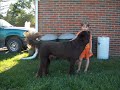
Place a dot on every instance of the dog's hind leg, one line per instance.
(39, 73)
(72, 63)
(41, 68)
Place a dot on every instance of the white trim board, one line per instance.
(36, 15)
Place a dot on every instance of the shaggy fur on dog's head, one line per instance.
(70, 50)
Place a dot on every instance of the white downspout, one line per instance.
(36, 28)
(36, 15)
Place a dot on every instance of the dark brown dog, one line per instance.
(70, 50)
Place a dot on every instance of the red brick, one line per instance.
(66, 15)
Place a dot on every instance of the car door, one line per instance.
(2, 36)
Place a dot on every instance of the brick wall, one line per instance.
(61, 16)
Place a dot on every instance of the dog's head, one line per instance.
(84, 36)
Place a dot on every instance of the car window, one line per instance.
(4, 23)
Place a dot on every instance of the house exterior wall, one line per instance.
(61, 16)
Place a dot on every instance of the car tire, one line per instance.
(14, 45)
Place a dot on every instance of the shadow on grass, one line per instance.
(5, 56)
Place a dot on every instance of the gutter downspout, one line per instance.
(36, 28)
(36, 15)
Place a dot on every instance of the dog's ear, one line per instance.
(84, 36)
(81, 34)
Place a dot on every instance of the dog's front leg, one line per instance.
(39, 73)
(47, 66)
(43, 70)
(72, 63)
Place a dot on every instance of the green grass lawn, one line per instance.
(16, 74)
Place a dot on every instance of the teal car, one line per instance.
(12, 37)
